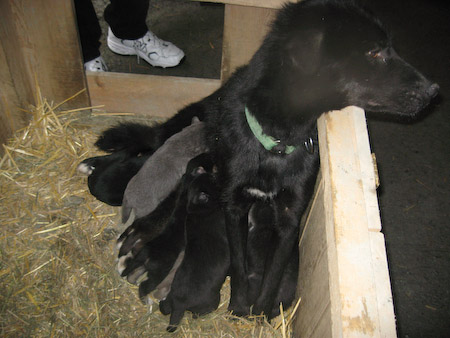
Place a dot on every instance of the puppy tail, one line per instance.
(131, 137)
(136, 138)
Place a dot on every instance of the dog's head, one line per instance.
(326, 55)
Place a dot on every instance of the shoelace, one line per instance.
(141, 44)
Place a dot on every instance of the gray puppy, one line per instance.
(161, 173)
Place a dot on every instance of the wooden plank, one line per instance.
(11, 118)
(146, 94)
(314, 315)
(367, 172)
(253, 3)
(358, 260)
(244, 30)
(41, 47)
(383, 285)
(13, 32)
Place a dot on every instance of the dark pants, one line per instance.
(126, 18)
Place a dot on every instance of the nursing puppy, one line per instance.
(162, 172)
(261, 218)
(157, 253)
(152, 244)
(197, 283)
(139, 177)
(319, 56)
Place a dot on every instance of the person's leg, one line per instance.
(128, 34)
(126, 18)
(88, 29)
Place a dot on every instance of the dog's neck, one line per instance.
(271, 143)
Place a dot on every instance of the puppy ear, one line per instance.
(304, 50)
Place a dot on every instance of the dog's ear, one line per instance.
(304, 50)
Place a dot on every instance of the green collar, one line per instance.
(268, 142)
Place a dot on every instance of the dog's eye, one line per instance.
(378, 55)
(374, 53)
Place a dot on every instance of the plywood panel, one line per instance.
(244, 30)
(146, 94)
(11, 118)
(314, 312)
(41, 48)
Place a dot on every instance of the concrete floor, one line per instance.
(194, 27)
(413, 159)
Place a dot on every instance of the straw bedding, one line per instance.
(57, 260)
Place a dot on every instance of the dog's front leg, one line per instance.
(236, 223)
(285, 237)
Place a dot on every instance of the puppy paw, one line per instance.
(134, 238)
(122, 263)
(171, 328)
(263, 310)
(133, 266)
(239, 310)
(86, 168)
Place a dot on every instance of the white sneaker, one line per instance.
(157, 52)
(96, 65)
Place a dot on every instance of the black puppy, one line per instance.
(153, 243)
(157, 253)
(261, 217)
(197, 283)
(320, 55)
(109, 175)
(129, 148)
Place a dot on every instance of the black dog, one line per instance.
(197, 283)
(320, 55)
(153, 243)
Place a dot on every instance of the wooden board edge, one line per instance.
(160, 96)
(358, 269)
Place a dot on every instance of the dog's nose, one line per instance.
(433, 90)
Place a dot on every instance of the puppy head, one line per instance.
(203, 192)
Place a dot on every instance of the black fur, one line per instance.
(197, 283)
(130, 136)
(320, 55)
(109, 175)
(261, 218)
(152, 243)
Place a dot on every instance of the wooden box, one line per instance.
(344, 280)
